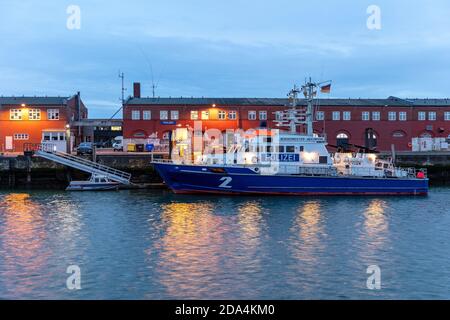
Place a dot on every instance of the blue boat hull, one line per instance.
(235, 180)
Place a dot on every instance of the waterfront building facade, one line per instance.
(373, 123)
(32, 120)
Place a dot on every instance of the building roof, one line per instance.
(391, 101)
(34, 100)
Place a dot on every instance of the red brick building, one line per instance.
(36, 119)
(368, 122)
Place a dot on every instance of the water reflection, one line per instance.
(307, 244)
(22, 249)
(250, 220)
(189, 257)
(308, 227)
(375, 223)
(375, 231)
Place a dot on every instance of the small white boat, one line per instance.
(95, 183)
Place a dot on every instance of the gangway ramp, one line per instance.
(46, 151)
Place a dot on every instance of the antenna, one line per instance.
(122, 77)
(154, 84)
(305, 116)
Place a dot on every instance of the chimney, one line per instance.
(136, 90)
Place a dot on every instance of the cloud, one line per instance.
(234, 48)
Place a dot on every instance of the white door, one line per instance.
(9, 143)
(55, 140)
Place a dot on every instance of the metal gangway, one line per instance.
(49, 152)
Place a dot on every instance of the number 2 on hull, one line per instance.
(226, 182)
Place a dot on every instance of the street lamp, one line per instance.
(68, 139)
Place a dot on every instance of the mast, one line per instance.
(294, 117)
(309, 90)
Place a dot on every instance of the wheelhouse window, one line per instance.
(290, 149)
(163, 115)
(252, 115)
(232, 115)
(53, 114)
(135, 115)
(194, 115)
(15, 114)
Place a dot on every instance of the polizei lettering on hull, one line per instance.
(187, 310)
(247, 309)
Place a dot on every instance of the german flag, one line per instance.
(326, 88)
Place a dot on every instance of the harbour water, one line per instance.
(156, 245)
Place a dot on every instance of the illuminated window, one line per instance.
(320, 115)
(365, 116)
(194, 115)
(232, 115)
(263, 115)
(336, 115)
(392, 116)
(222, 115)
(432, 116)
(21, 136)
(146, 115)
(34, 114)
(376, 116)
(402, 116)
(421, 116)
(116, 128)
(205, 115)
(347, 115)
(164, 115)
(135, 115)
(53, 114)
(174, 115)
(15, 114)
(252, 115)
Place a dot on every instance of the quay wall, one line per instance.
(37, 172)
